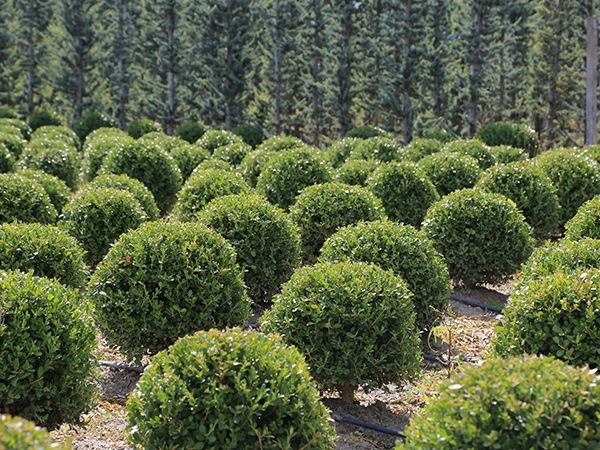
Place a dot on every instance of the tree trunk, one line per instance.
(277, 70)
(347, 393)
(475, 70)
(437, 62)
(316, 72)
(555, 68)
(122, 12)
(170, 120)
(30, 56)
(345, 69)
(229, 106)
(406, 106)
(591, 106)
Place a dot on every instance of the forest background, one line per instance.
(308, 68)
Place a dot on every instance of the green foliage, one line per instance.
(190, 131)
(251, 165)
(45, 250)
(368, 132)
(450, 172)
(124, 183)
(421, 147)
(280, 143)
(202, 187)
(150, 164)
(474, 148)
(56, 133)
(8, 161)
(505, 154)
(586, 223)
(47, 364)
(441, 136)
(213, 164)
(287, 172)
(513, 134)
(53, 156)
(20, 434)
(321, 209)
(96, 217)
(138, 128)
(520, 402)
(483, 236)
(7, 113)
(266, 241)
(19, 124)
(98, 144)
(163, 281)
(339, 152)
(24, 200)
(532, 191)
(188, 157)
(405, 191)
(57, 189)
(356, 171)
(249, 134)
(556, 315)
(13, 142)
(213, 139)
(256, 393)
(353, 322)
(234, 154)
(575, 176)
(89, 122)
(405, 251)
(42, 118)
(379, 148)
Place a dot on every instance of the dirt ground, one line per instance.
(392, 408)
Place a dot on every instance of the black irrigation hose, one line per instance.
(436, 359)
(360, 423)
(475, 304)
(121, 366)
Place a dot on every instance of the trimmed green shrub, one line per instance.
(556, 315)
(7, 113)
(450, 172)
(213, 139)
(505, 154)
(13, 142)
(321, 209)
(339, 152)
(249, 134)
(54, 157)
(56, 133)
(213, 164)
(150, 164)
(42, 118)
(98, 144)
(20, 124)
(586, 223)
(474, 148)
(229, 389)
(422, 147)
(368, 132)
(266, 241)
(188, 157)
(161, 140)
(353, 322)
(96, 217)
(47, 363)
(281, 143)
(517, 403)
(190, 131)
(356, 172)
(439, 135)
(202, 187)
(251, 165)
(20, 434)
(124, 183)
(483, 236)
(138, 128)
(44, 249)
(575, 176)
(232, 154)
(163, 281)
(89, 122)
(405, 192)
(24, 200)
(8, 161)
(513, 134)
(286, 173)
(378, 148)
(532, 191)
(405, 251)
(57, 189)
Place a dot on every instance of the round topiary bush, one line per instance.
(339, 152)
(188, 157)
(190, 131)
(556, 315)
(353, 322)
(251, 135)
(213, 139)
(266, 241)
(13, 142)
(21, 125)
(356, 171)
(44, 249)
(47, 363)
(532, 191)
(202, 187)
(586, 223)
(213, 164)
(368, 132)
(89, 122)
(20, 434)
(54, 157)
(281, 143)
(98, 144)
(124, 183)
(42, 118)
(474, 148)
(520, 402)
(163, 281)
(138, 128)
(321, 209)
(505, 154)
(232, 154)
(57, 190)
(286, 173)
(24, 200)
(251, 166)
(483, 236)
(379, 148)
(450, 172)
(575, 176)
(56, 133)
(8, 161)
(422, 147)
(405, 251)
(439, 135)
(96, 217)
(405, 192)
(513, 134)
(150, 164)
(229, 389)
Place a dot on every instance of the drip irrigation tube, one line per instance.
(436, 359)
(121, 366)
(475, 304)
(360, 423)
